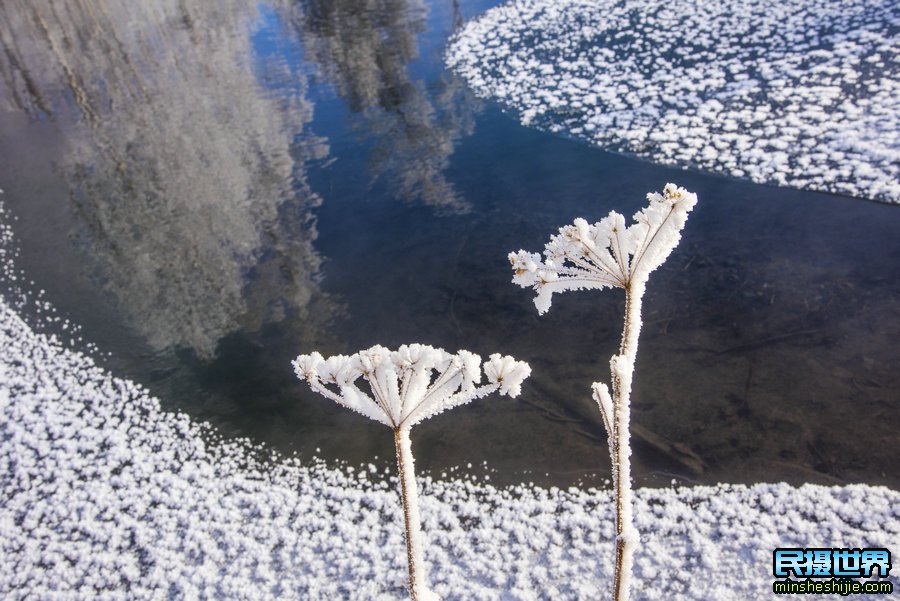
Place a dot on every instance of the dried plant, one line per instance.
(608, 254)
(406, 386)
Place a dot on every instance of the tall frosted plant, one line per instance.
(608, 254)
(405, 387)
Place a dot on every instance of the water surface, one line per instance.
(211, 191)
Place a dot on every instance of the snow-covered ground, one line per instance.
(105, 496)
(800, 93)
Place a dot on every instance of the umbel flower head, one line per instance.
(410, 384)
(606, 254)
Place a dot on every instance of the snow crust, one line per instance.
(799, 93)
(107, 497)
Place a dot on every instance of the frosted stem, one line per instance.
(622, 368)
(604, 401)
(405, 464)
(582, 256)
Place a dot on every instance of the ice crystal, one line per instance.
(411, 384)
(606, 254)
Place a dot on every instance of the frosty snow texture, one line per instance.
(799, 93)
(108, 497)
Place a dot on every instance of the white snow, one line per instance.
(799, 93)
(105, 496)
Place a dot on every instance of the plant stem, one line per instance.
(622, 368)
(410, 497)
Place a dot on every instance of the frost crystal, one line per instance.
(798, 93)
(411, 384)
(606, 254)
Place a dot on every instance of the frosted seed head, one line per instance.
(524, 266)
(471, 366)
(608, 253)
(441, 359)
(306, 366)
(545, 276)
(555, 251)
(334, 368)
(613, 223)
(581, 227)
(663, 221)
(371, 358)
(408, 385)
(407, 356)
(673, 192)
(506, 372)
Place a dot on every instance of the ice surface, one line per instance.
(799, 93)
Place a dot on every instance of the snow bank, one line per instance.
(106, 496)
(800, 93)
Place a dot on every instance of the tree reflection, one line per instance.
(364, 49)
(185, 164)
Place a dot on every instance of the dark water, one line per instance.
(210, 189)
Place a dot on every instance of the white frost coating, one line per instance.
(607, 412)
(507, 373)
(411, 384)
(606, 254)
(106, 496)
(627, 537)
(799, 93)
(408, 385)
(406, 468)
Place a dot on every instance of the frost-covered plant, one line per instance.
(608, 254)
(407, 386)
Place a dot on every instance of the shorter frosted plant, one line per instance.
(407, 386)
(608, 254)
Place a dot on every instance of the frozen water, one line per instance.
(106, 496)
(799, 93)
